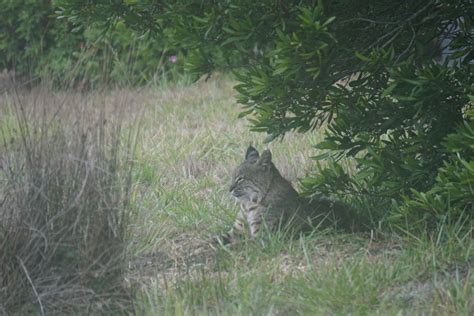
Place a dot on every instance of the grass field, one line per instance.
(190, 139)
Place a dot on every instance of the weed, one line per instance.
(64, 213)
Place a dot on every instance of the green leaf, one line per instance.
(327, 145)
(329, 21)
(362, 57)
(387, 91)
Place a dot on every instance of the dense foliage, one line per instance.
(390, 82)
(35, 42)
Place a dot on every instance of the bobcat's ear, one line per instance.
(266, 158)
(251, 155)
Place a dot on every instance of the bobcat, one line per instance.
(268, 199)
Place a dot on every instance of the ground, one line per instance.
(191, 141)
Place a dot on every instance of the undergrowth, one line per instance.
(65, 186)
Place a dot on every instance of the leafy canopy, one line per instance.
(389, 81)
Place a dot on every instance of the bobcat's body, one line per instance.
(267, 199)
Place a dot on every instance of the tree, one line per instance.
(371, 73)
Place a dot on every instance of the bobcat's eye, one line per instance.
(239, 179)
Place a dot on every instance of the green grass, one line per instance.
(191, 141)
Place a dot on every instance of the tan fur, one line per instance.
(268, 199)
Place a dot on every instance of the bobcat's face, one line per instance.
(251, 180)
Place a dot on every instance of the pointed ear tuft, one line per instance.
(266, 158)
(251, 155)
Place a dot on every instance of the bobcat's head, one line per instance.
(251, 180)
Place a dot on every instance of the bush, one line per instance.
(64, 205)
(120, 57)
(452, 195)
(388, 82)
(38, 44)
(399, 138)
(27, 31)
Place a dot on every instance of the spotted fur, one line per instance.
(267, 199)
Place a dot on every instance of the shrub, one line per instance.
(26, 32)
(37, 45)
(387, 81)
(452, 195)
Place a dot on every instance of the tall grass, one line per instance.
(66, 163)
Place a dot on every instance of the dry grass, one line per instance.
(65, 186)
(190, 141)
